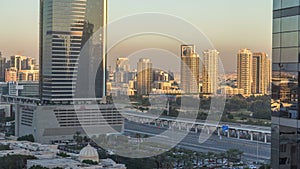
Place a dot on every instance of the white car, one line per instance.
(252, 167)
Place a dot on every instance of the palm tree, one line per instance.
(159, 160)
(234, 155)
(77, 138)
(210, 156)
(169, 162)
(198, 155)
(222, 156)
(240, 154)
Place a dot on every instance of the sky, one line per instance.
(228, 24)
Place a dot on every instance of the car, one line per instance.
(252, 167)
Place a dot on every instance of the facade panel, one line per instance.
(285, 86)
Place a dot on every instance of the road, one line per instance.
(237, 126)
(252, 150)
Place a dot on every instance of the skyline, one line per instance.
(236, 24)
(146, 84)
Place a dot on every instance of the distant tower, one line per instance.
(261, 75)
(122, 64)
(2, 68)
(189, 69)
(210, 71)
(244, 70)
(144, 76)
(122, 70)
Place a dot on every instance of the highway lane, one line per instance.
(252, 150)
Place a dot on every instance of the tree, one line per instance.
(86, 139)
(234, 155)
(62, 154)
(4, 147)
(198, 156)
(26, 138)
(77, 137)
(38, 167)
(260, 109)
(91, 162)
(159, 160)
(230, 116)
(14, 161)
(210, 156)
(222, 156)
(265, 166)
(236, 103)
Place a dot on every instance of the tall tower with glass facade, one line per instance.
(144, 76)
(189, 69)
(285, 147)
(244, 70)
(72, 38)
(210, 71)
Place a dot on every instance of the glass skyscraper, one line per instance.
(67, 49)
(285, 86)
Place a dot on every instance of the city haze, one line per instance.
(230, 25)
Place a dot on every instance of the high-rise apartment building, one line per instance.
(122, 70)
(285, 145)
(2, 68)
(253, 72)
(189, 69)
(244, 70)
(261, 76)
(210, 71)
(122, 64)
(144, 76)
(21, 68)
(69, 49)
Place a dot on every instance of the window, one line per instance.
(289, 55)
(276, 40)
(289, 39)
(276, 4)
(276, 55)
(276, 25)
(289, 23)
(289, 3)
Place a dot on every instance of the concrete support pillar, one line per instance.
(265, 138)
(251, 136)
(208, 131)
(179, 126)
(238, 134)
(187, 128)
(196, 129)
(228, 133)
(218, 129)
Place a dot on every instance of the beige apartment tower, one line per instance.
(144, 76)
(244, 71)
(189, 69)
(210, 71)
(261, 74)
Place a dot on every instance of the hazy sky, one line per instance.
(229, 24)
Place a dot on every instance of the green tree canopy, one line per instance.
(26, 138)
